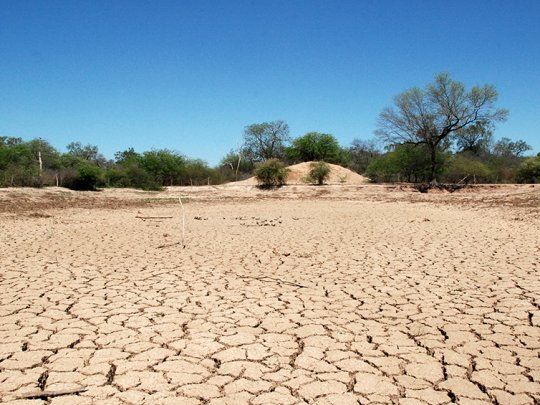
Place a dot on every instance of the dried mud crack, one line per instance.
(272, 301)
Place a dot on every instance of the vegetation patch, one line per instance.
(319, 172)
(271, 173)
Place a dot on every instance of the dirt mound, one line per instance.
(299, 173)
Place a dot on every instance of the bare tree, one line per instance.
(266, 140)
(507, 148)
(361, 153)
(433, 115)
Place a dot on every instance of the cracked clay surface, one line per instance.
(270, 302)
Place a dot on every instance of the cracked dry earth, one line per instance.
(271, 302)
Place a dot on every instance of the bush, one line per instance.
(271, 173)
(234, 167)
(381, 169)
(466, 168)
(166, 167)
(408, 163)
(318, 173)
(87, 177)
(131, 175)
(529, 171)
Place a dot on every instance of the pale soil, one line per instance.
(299, 174)
(327, 295)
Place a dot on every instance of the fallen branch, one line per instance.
(139, 217)
(49, 394)
(275, 279)
(183, 240)
(425, 187)
(463, 179)
(168, 245)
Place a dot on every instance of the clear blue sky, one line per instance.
(190, 75)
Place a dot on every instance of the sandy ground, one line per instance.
(299, 174)
(327, 295)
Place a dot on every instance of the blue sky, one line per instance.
(190, 75)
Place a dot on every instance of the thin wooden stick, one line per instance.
(265, 278)
(153, 217)
(183, 223)
(50, 394)
(463, 179)
(169, 245)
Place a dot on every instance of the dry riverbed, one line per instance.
(327, 295)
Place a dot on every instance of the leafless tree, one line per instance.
(432, 115)
(361, 153)
(266, 140)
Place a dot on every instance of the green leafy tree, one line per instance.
(128, 172)
(49, 155)
(7, 141)
(315, 146)
(505, 159)
(505, 147)
(405, 162)
(125, 156)
(86, 152)
(166, 167)
(18, 166)
(198, 172)
(529, 170)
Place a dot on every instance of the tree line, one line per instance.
(36, 163)
(442, 132)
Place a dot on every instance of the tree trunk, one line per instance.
(433, 150)
(40, 164)
(237, 167)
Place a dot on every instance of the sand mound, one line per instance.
(299, 172)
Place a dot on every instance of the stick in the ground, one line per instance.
(183, 223)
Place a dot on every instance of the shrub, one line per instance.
(131, 175)
(409, 163)
(166, 167)
(381, 169)
(529, 171)
(463, 167)
(318, 173)
(271, 173)
(235, 167)
(87, 177)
